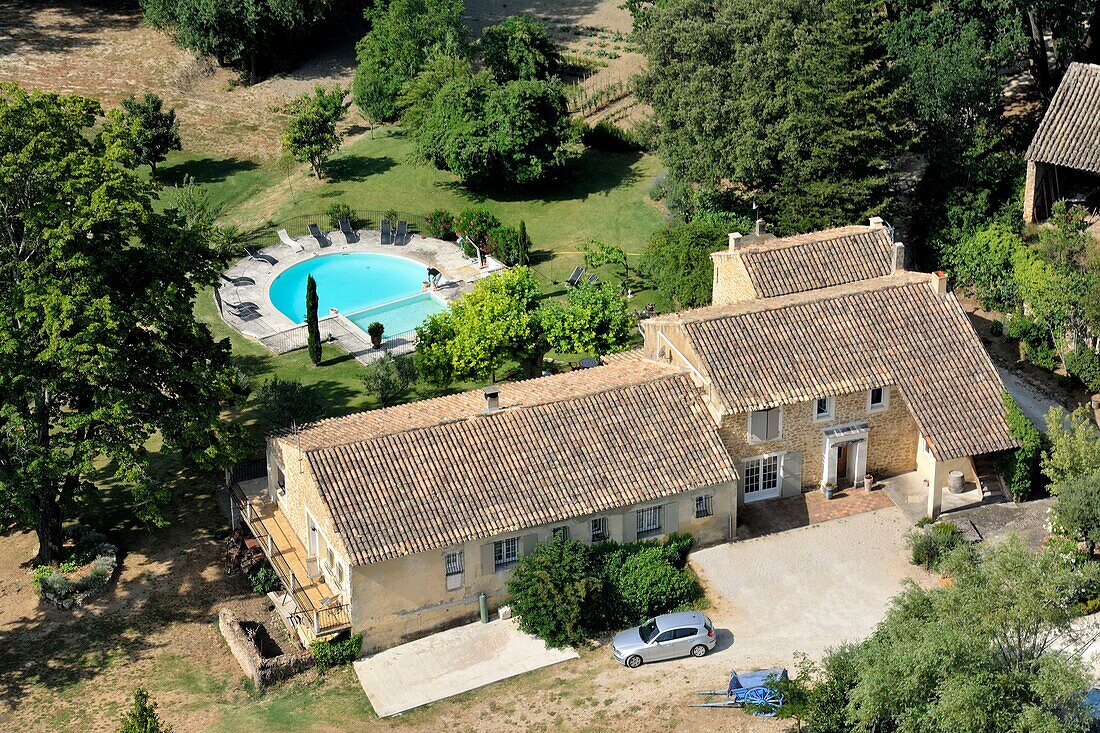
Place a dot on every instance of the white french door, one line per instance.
(761, 478)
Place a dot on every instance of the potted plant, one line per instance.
(868, 481)
(829, 489)
(375, 330)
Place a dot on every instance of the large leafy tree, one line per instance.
(594, 320)
(785, 104)
(985, 654)
(99, 349)
(152, 131)
(484, 131)
(519, 48)
(677, 261)
(403, 35)
(312, 134)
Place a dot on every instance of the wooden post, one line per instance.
(292, 582)
(270, 553)
(316, 623)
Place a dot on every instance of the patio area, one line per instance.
(273, 329)
(779, 515)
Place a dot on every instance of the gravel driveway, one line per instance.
(806, 589)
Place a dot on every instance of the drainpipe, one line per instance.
(483, 606)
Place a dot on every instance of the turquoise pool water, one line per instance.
(365, 287)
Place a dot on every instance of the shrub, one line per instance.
(391, 216)
(1019, 467)
(1085, 365)
(375, 330)
(341, 210)
(504, 244)
(329, 654)
(931, 545)
(468, 248)
(440, 224)
(609, 137)
(280, 403)
(550, 589)
(389, 378)
(142, 716)
(475, 224)
(649, 583)
(265, 580)
(996, 328)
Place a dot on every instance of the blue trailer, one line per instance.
(749, 689)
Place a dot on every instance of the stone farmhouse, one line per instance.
(821, 360)
(1063, 160)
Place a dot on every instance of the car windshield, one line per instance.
(648, 630)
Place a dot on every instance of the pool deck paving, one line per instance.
(451, 662)
(279, 333)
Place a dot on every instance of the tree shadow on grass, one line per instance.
(594, 172)
(24, 31)
(203, 170)
(354, 167)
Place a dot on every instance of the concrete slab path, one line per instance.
(451, 662)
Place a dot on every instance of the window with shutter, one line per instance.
(765, 424)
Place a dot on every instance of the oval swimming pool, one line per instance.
(354, 282)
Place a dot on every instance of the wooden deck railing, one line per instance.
(323, 619)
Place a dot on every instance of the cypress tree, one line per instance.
(311, 321)
(524, 244)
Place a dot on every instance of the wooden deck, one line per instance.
(319, 606)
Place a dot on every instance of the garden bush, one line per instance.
(565, 592)
(649, 584)
(930, 545)
(1019, 467)
(341, 210)
(265, 580)
(505, 244)
(1085, 365)
(475, 224)
(329, 654)
(87, 568)
(440, 224)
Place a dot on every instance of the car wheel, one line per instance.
(699, 650)
(634, 661)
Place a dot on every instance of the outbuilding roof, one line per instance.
(1069, 134)
(896, 330)
(410, 490)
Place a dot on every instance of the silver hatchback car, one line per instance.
(665, 637)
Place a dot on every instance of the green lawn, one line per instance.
(600, 196)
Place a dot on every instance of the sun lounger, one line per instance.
(290, 241)
(244, 310)
(321, 237)
(593, 279)
(350, 235)
(255, 254)
(575, 278)
(387, 236)
(402, 235)
(238, 280)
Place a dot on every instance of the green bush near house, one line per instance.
(566, 592)
(329, 654)
(1019, 468)
(440, 224)
(1085, 365)
(341, 210)
(475, 224)
(930, 546)
(265, 580)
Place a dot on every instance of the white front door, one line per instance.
(761, 478)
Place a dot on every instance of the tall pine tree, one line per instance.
(313, 329)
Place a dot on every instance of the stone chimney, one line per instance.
(876, 222)
(899, 256)
(735, 237)
(760, 228)
(492, 399)
(940, 283)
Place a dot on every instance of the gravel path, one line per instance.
(807, 589)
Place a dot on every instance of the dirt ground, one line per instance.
(108, 53)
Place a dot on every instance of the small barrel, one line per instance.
(955, 482)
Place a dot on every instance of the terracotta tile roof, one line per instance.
(1069, 134)
(625, 369)
(891, 331)
(818, 260)
(421, 489)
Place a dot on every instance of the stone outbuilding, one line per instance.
(1063, 160)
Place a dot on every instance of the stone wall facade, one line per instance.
(891, 436)
(406, 598)
(732, 283)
